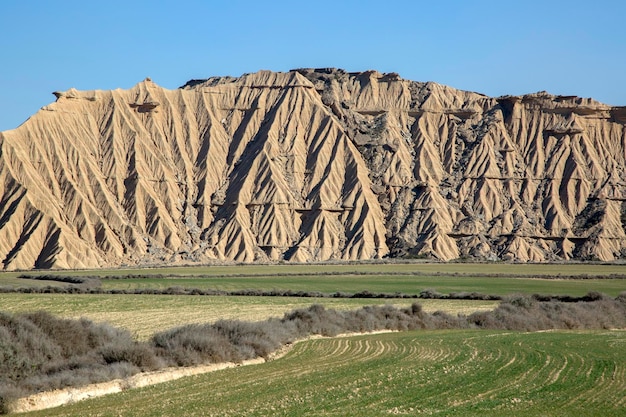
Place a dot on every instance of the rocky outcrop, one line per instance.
(311, 165)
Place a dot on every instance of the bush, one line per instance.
(593, 311)
(137, 354)
(40, 352)
(193, 345)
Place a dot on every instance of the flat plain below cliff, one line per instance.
(311, 165)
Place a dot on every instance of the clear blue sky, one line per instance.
(493, 47)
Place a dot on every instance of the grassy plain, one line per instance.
(478, 269)
(145, 315)
(440, 373)
(406, 284)
(409, 278)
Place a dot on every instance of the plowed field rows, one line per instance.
(442, 373)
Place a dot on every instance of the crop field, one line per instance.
(412, 278)
(477, 269)
(439, 373)
(144, 315)
(406, 284)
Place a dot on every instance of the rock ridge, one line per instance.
(311, 165)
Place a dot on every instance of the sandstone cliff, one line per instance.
(311, 165)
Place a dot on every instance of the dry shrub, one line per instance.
(92, 285)
(41, 352)
(193, 344)
(593, 311)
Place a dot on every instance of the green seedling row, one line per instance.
(436, 373)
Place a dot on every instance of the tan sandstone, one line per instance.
(310, 165)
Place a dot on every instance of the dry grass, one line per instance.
(144, 315)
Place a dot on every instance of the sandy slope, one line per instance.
(310, 165)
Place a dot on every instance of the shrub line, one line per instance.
(77, 289)
(79, 279)
(88, 287)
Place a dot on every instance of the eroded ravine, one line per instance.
(311, 165)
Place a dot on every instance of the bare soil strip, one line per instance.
(64, 396)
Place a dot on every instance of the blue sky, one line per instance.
(493, 47)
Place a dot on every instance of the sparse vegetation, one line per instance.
(42, 352)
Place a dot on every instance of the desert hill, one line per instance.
(311, 165)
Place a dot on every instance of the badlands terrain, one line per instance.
(311, 165)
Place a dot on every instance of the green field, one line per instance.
(412, 278)
(440, 373)
(145, 314)
(404, 268)
(351, 268)
(406, 284)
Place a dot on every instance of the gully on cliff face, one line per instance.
(311, 165)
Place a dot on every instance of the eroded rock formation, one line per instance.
(311, 165)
